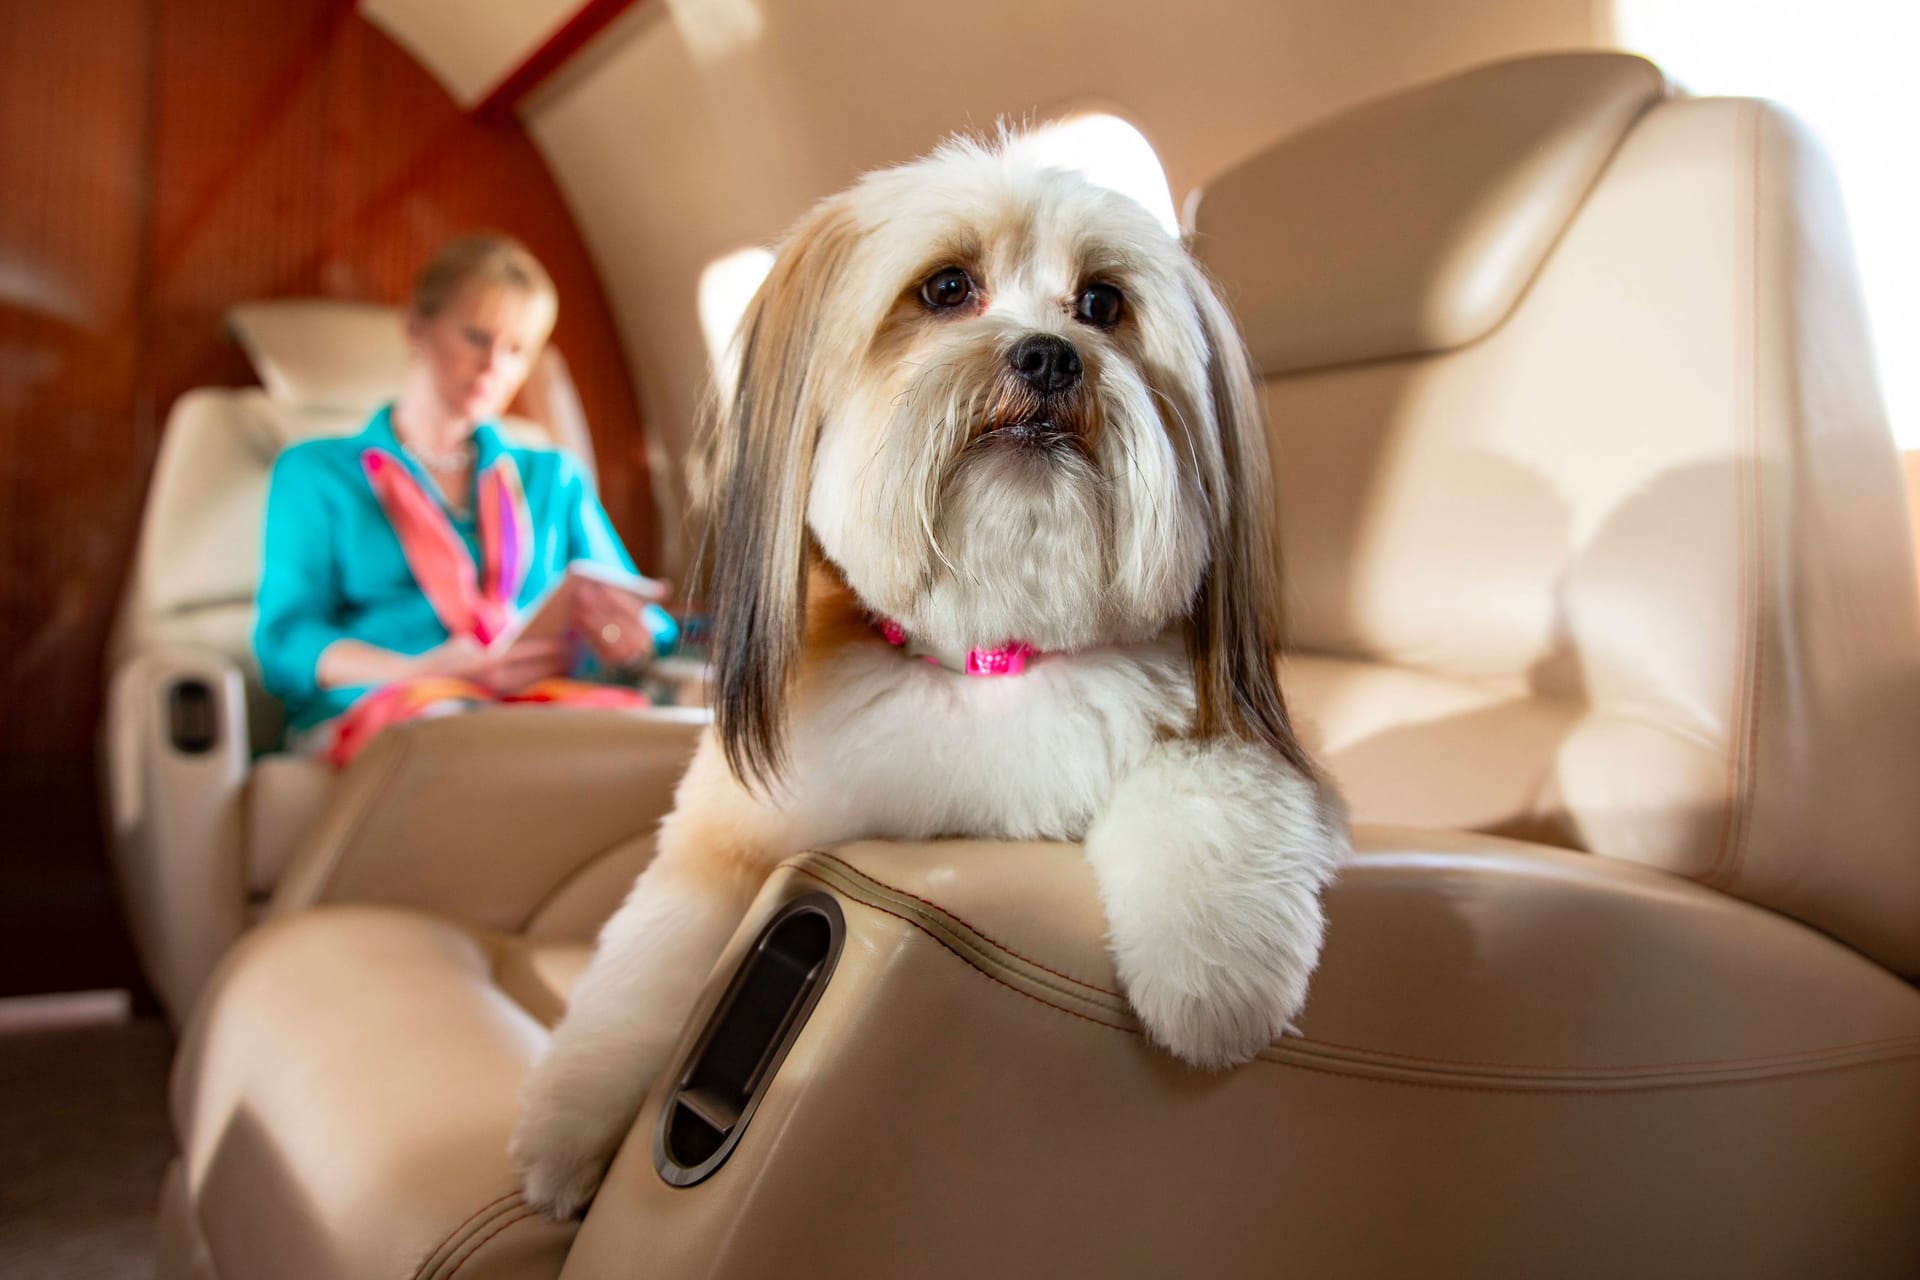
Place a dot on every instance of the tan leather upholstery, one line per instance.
(323, 353)
(1913, 495)
(273, 1087)
(538, 793)
(341, 1100)
(1515, 1062)
(1344, 242)
(1624, 576)
(199, 837)
(1566, 1045)
(1638, 557)
(286, 796)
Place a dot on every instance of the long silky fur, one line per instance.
(758, 459)
(1236, 626)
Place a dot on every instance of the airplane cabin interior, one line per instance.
(749, 638)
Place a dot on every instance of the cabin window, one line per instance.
(726, 287)
(1112, 153)
(1846, 68)
(1105, 148)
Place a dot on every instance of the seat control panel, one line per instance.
(739, 1050)
(193, 725)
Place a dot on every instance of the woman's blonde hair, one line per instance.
(486, 257)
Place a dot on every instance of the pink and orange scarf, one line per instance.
(467, 603)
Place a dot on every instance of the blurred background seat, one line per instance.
(204, 810)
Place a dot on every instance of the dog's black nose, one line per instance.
(1048, 364)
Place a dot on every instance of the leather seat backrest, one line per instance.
(1593, 524)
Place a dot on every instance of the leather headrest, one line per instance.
(324, 354)
(1415, 223)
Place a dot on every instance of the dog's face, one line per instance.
(1007, 406)
(1009, 453)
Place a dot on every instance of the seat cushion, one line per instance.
(1425, 749)
(286, 795)
(343, 1099)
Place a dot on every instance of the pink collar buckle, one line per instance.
(1009, 659)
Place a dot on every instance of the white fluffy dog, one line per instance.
(992, 549)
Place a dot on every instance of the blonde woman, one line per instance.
(396, 557)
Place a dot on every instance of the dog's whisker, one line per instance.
(1186, 428)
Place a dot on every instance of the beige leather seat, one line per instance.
(1604, 603)
(203, 813)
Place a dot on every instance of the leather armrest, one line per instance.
(1405, 912)
(1534, 1014)
(177, 762)
(481, 818)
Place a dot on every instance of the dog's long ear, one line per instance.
(757, 460)
(1237, 622)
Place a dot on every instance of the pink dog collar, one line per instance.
(1009, 659)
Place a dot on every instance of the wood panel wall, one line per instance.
(165, 159)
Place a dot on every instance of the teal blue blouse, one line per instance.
(333, 567)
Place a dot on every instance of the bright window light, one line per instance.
(726, 287)
(1105, 148)
(1845, 67)
(1112, 153)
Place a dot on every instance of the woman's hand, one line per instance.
(508, 671)
(611, 621)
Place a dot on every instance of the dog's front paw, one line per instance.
(1214, 1006)
(562, 1148)
(1210, 859)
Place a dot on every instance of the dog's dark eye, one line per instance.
(1100, 305)
(946, 289)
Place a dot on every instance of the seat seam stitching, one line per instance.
(949, 948)
(1743, 722)
(1598, 1090)
(962, 921)
(1763, 1060)
(481, 1243)
(1758, 482)
(486, 1212)
(1307, 1042)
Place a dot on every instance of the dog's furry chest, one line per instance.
(884, 746)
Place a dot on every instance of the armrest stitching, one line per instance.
(492, 1209)
(1787, 1057)
(1288, 1054)
(481, 1243)
(956, 953)
(963, 922)
(1548, 1086)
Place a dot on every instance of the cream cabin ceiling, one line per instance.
(470, 47)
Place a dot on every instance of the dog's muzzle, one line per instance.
(1041, 402)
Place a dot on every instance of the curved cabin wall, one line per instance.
(165, 159)
(694, 127)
